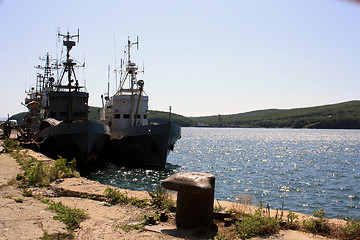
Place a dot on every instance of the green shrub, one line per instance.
(63, 169)
(36, 175)
(72, 217)
(257, 225)
(39, 174)
(113, 196)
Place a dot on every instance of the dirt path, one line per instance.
(22, 217)
(28, 219)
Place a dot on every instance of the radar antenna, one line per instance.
(69, 63)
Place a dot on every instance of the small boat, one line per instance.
(65, 130)
(133, 140)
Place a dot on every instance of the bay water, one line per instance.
(304, 169)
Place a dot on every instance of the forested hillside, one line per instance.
(342, 115)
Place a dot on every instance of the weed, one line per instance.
(19, 177)
(277, 214)
(139, 202)
(128, 228)
(39, 174)
(155, 216)
(10, 145)
(243, 204)
(18, 200)
(63, 169)
(12, 181)
(257, 225)
(27, 193)
(85, 196)
(36, 175)
(350, 231)
(319, 213)
(57, 236)
(72, 217)
(160, 197)
(317, 225)
(113, 196)
(219, 238)
(291, 219)
(218, 207)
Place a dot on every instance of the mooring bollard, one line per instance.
(195, 198)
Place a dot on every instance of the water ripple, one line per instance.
(306, 169)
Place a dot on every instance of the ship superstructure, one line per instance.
(133, 141)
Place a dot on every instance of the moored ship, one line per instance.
(133, 140)
(65, 130)
(37, 97)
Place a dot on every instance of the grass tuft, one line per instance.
(350, 231)
(10, 145)
(39, 174)
(258, 224)
(72, 217)
(113, 196)
(18, 200)
(160, 197)
(58, 236)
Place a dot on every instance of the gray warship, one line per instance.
(133, 141)
(65, 130)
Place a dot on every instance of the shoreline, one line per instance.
(86, 194)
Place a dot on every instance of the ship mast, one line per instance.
(131, 69)
(69, 63)
(45, 81)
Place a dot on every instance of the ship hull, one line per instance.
(147, 145)
(82, 140)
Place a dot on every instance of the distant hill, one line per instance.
(163, 117)
(344, 115)
(154, 116)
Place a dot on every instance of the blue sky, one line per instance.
(202, 57)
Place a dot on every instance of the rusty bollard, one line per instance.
(195, 198)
